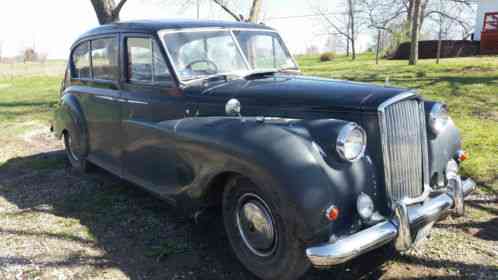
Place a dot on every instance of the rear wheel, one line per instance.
(261, 236)
(74, 155)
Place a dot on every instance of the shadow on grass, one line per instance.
(139, 234)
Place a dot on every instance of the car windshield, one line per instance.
(202, 54)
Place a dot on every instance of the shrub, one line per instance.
(420, 74)
(327, 56)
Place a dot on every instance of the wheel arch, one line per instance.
(215, 187)
(69, 118)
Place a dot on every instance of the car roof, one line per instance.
(152, 26)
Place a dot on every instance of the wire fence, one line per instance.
(47, 68)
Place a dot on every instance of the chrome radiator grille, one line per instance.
(404, 148)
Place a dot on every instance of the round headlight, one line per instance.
(438, 118)
(364, 206)
(351, 142)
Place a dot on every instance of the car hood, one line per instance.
(312, 92)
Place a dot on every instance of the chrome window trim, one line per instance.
(163, 32)
(385, 154)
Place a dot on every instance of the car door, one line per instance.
(99, 95)
(151, 96)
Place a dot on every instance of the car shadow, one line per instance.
(139, 234)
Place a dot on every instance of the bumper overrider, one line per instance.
(408, 225)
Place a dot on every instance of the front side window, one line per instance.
(264, 50)
(81, 61)
(204, 53)
(105, 59)
(145, 61)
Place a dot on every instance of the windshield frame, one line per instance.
(162, 37)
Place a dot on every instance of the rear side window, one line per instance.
(81, 61)
(105, 59)
(145, 62)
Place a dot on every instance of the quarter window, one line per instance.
(105, 59)
(145, 62)
(81, 61)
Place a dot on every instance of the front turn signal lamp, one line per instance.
(462, 155)
(332, 213)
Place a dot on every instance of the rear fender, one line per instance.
(69, 116)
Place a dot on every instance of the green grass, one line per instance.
(468, 85)
(26, 99)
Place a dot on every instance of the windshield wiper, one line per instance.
(213, 77)
(264, 73)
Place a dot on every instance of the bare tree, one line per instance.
(346, 27)
(107, 11)
(351, 15)
(254, 12)
(380, 15)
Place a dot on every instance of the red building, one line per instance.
(489, 34)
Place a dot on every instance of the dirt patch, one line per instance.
(55, 224)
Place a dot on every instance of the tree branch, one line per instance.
(226, 9)
(118, 7)
(463, 24)
(333, 25)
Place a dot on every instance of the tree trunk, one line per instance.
(415, 33)
(347, 47)
(351, 20)
(107, 11)
(423, 8)
(377, 52)
(409, 16)
(440, 38)
(255, 11)
(348, 30)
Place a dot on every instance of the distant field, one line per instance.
(49, 68)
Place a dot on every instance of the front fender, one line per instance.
(290, 157)
(443, 146)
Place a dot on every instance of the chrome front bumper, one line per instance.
(397, 229)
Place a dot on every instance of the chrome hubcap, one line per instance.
(256, 225)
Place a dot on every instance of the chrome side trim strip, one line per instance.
(105, 97)
(137, 102)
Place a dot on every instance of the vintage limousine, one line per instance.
(308, 171)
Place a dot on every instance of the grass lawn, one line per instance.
(468, 85)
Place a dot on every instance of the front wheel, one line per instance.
(76, 159)
(261, 236)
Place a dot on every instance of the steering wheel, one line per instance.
(213, 70)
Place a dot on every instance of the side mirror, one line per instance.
(232, 107)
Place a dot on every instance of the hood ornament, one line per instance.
(232, 107)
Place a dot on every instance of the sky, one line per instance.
(51, 26)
